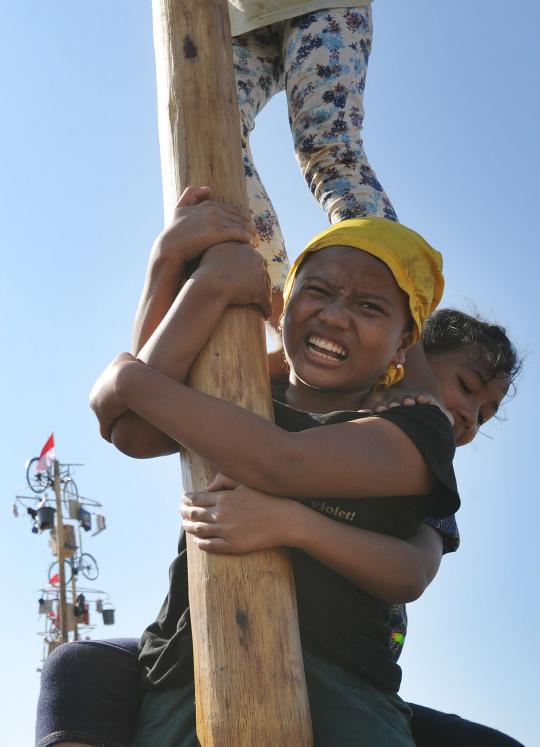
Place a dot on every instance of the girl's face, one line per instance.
(468, 391)
(345, 322)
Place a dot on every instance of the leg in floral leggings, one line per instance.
(320, 60)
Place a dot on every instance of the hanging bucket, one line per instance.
(108, 616)
(45, 517)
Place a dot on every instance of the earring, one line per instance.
(399, 366)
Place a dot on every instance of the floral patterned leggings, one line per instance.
(320, 59)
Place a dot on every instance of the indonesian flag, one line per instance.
(47, 455)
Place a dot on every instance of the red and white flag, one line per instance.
(47, 456)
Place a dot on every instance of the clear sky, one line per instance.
(452, 123)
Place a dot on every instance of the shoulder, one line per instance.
(426, 425)
(429, 416)
(430, 431)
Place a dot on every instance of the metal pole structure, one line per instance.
(61, 556)
(249, 676)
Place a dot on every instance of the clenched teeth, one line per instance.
(327, 345)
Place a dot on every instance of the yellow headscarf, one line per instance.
(415, 265)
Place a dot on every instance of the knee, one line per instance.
(84, 658)
(60, 660)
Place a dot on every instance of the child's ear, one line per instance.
(404, 345)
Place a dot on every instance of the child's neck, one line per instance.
(303, 397)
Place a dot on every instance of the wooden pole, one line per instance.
(249, 676)
(61, 555)
(73, 600)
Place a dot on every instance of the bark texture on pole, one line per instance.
(249, 676)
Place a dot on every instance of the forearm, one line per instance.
(185, 328)
(233, 519)
(388, 568)
(367, 458)
(164, 278)
(191, 419)
(172, 349)
(196, 224)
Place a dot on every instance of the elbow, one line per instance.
(403, 595)
(410, 588)
(126, 441)
(413, 592)
(419, 582)
(138, 443)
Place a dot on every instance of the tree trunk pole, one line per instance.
(249, 677)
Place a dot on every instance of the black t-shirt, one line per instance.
(337, 620)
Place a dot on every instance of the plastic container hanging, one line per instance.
(108, 615)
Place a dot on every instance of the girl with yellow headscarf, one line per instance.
(415, 265)
(356, 300)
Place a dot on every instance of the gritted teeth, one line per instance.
(327, 346)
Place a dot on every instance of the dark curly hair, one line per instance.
(448, 330)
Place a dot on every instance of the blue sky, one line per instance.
(452, 122)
